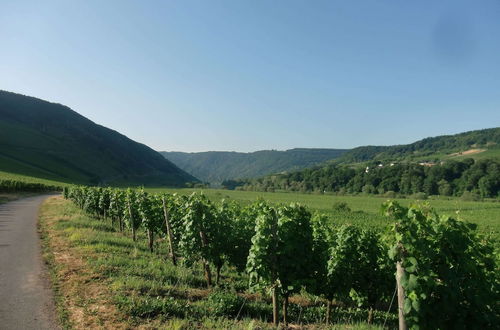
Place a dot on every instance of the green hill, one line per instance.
(51, 141)
(473, 144)
(446, 165)
(217, 166)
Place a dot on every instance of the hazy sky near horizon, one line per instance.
(249, 75)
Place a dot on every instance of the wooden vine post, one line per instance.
(328, 310)
(170, 235)
(275, 305)
(150, 240)
(400, 271)
(131, 221)
(121, 223)
(206, 266)
(274, 259)
(285, 309)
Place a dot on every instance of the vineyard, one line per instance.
(14, 186)
(446, 272)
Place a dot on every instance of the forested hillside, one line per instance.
(217, 166)
(49, 140)
(231, 167)
(446, 165)
(434, 148)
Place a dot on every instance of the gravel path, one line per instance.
(26, 299)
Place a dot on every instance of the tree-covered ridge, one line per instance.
(432, 147)
(450, 178)
(48, 140)
(217, 166)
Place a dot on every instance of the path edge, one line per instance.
(51, 270)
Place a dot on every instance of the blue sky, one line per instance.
(249, 75)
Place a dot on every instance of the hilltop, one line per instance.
(476, 144)
(51, 141)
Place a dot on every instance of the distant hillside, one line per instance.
(48, 140)
(217, 166)
(438, 147)
(446, 165)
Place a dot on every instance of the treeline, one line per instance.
(446, 273)
(450, 178)
(12, 186)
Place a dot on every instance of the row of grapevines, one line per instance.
(12, 186)
(287, 250)
(195, 228)
(449, 275)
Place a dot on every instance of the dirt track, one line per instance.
(26, 300)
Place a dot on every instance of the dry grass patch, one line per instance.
(82, 295)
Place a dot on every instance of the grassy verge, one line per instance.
(105, 280)
(54, 268)
(82, 300)
(30, 179)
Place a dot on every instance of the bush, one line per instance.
(369, 189)
(421, 196)
(390, 194)
(469, 196)
(341, 206)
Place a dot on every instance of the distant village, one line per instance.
(422, 163)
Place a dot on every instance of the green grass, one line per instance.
(48, 257)
(366, 209)
(489, 153)
(25, 178)
(486, 214)
(149, 289)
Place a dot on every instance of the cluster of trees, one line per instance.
(285, 250)
(450, 178)
(12, 186)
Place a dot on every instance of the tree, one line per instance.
(444, 188)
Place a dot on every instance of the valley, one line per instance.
(164, 250)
